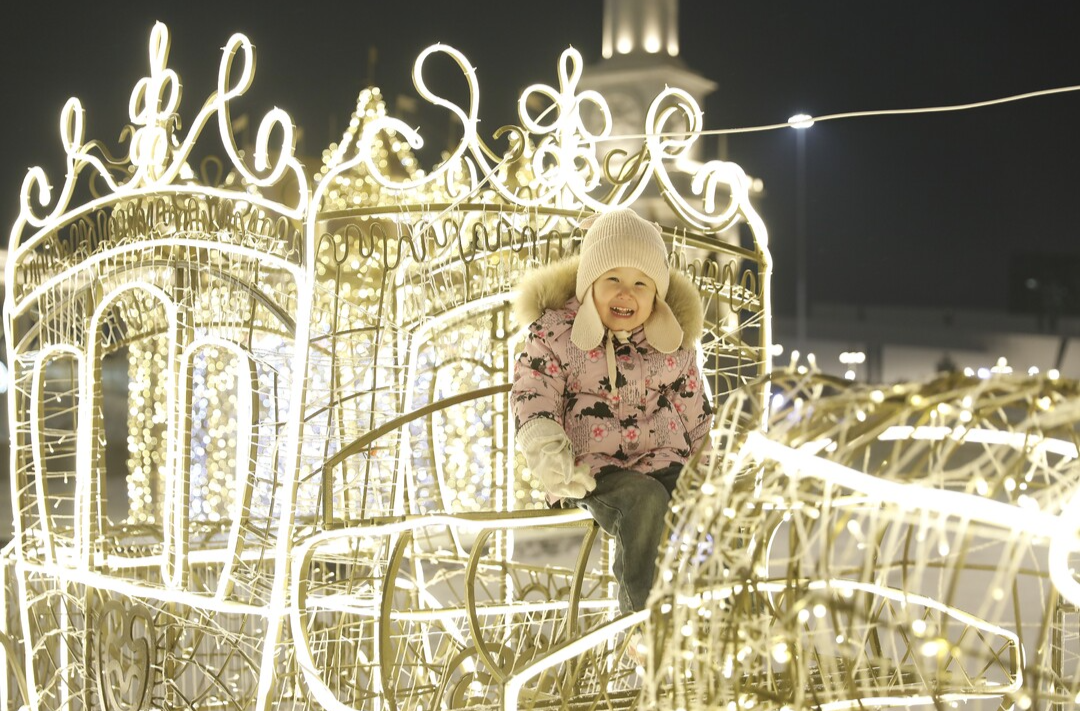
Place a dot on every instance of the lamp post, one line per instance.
(800, 122)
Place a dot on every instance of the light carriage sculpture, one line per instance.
(325, 503)
(324, 497)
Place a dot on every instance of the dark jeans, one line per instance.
(631, 506)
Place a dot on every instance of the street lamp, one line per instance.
(800, 122)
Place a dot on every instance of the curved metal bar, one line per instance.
(579, 579)
(361, 443)
(600, 636)
(393, 567)
(470, 604)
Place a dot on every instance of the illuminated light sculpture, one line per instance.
(879, 546)
(324, 493)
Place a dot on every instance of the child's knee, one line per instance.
(651, 498)
(639, 498)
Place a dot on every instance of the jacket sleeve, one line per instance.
(696, 409)
(539, 380)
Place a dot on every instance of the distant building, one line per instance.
(888, 344)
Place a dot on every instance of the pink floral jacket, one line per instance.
(656, 415)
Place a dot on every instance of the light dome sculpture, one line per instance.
(879, 546)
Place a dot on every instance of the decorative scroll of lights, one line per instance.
(559, 153)
(325, 508)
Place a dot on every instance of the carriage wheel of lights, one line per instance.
(879, 546)
(324, 504)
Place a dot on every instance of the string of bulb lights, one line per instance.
(807, 120)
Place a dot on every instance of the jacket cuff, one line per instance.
(538, 432)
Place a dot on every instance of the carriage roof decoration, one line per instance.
(316, 364)
(559, 150)
(568, 168)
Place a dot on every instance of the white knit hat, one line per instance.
(622, 239)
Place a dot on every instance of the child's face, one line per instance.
(624, 298)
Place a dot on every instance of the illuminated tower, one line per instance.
(633, 26)
(640, 58)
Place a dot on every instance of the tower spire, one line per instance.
(641, 27)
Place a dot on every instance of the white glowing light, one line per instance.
(931, 649)
(1058, 530)
(1016, 440)
(601, 636)
(910, 496)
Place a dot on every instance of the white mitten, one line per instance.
(550, 456)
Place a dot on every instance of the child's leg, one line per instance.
(631, 507)
(669, 477)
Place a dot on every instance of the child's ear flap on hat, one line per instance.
(662, 329)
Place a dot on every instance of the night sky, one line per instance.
(926, 210)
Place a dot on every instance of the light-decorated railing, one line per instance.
(324, 504)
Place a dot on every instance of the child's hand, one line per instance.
(574, 482)
(550, 456)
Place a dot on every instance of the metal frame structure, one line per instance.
(324, 495)
(325, 505)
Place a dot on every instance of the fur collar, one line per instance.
(551, 286)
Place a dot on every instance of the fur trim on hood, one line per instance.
(551, 286)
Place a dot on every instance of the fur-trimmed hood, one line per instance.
(551, 286)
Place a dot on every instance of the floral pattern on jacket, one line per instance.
(656, 414)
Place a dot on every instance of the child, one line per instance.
(607, 398)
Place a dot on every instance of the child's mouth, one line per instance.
(622, 312)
